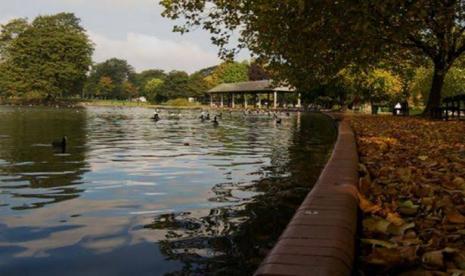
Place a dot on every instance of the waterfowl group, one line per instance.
(205, 116)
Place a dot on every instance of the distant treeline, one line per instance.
(116, 79)
(51, 57)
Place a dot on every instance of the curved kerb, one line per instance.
(319, 240)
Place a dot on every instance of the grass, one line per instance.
(177, 103)
(181, 103)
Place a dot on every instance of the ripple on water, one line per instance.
(126, 182)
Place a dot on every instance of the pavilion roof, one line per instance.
(250, 86)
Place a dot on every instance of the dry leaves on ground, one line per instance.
(412, 194)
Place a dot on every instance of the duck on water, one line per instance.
(60, 144)
(215, 121)
(155, 116)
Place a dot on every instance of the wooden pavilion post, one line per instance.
(211, 100)
(232, 100)
(275, 99)
(221, 100)
(245, 99)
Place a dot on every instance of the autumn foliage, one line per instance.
(412, 191)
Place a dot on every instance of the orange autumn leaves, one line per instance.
(412, 195)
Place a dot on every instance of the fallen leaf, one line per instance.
(379, 243)
(367, 206)
(395, 219)
(399, 230)
(455, 217)
(373, 224)
(422, 157)
(459, 182)
(433, 259)
(408, 208)
(405, 174)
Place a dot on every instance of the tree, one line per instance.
(152, 88)
(9, 32)
(377, 86)
(454, 82)
(308, 42)
(48, 57)
(129, 90)
(142, 78)
(104, 87)
(174, 86)
(228, 72)
(198, 86)
(118, 70)
(257, 72)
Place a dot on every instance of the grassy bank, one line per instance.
(170, 104)
(75, 102)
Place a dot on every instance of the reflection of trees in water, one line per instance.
(234, 240)
(27, 151)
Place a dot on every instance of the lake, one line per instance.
(131, 196)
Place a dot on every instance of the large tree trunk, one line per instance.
(434, 99)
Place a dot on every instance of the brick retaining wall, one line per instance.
(319, 239)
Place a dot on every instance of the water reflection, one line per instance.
(32, 173)
(233, 240)
(176, 197)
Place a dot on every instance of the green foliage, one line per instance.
(104, 87)
(129, 90)
(174, 86)
(376, 86)
(228, 72)
(257, 72)
(48, 57)
(141, 79)
(308, 43)
(122, 76)
(454, 83)
(8, 33)
(151, 89)
(198, 86)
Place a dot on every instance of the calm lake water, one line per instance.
(135, 197)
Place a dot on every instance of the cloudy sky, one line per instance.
(129, 29)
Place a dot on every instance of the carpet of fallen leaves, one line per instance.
(412, 195)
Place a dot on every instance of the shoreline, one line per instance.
(321, 236)
(70, 103)
(96, 103)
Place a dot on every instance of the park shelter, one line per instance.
(240, 91)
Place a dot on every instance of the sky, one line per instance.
(130, 29)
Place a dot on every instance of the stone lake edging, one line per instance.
(320, 238)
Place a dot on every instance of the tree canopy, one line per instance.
(310, 42)
(121, 74)
(228, 72)
(48, 57)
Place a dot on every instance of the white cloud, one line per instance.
(144, 52)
